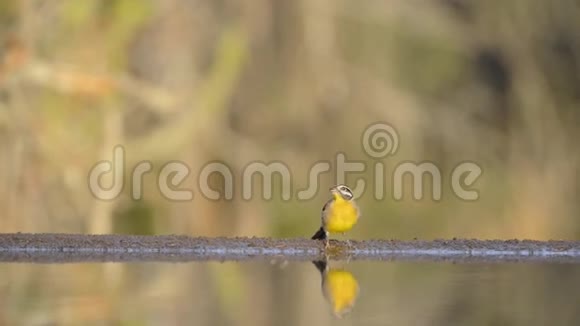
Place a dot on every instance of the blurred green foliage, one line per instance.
(492, 82)
(486, 81)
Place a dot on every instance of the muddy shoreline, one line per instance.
(68, 248)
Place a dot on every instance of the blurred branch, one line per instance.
(71, 80)
(16, 62)
(205, 112)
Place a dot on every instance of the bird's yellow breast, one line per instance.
(342, 216)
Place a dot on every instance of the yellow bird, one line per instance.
(339, 214)
(339, 287)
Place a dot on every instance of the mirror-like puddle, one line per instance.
(290, 293)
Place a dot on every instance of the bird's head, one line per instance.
(343, 191)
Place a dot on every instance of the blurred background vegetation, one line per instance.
(490, 81)
(493, 82)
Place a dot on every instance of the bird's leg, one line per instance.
(348, 256)
(326, 242)
(347, 241)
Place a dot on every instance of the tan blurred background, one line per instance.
(493, 82)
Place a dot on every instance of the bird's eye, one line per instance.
(345, 191)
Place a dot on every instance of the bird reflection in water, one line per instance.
(339, 287)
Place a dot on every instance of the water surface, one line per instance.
(290, 293)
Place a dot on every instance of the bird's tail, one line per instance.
(319, 235)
